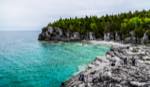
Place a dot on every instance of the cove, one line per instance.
(27, 62)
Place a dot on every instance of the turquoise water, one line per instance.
(26, 62)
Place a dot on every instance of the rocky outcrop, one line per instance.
(58, 34)
(145, 38)
(64, 35)
(121, 67)
(107, 36)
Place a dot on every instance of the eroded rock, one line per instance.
(128, 70)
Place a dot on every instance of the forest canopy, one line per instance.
(137, 21)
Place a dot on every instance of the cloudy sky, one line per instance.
(34, 14)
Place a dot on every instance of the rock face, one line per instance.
(145, 38)
(122, 67)
(107, 36)
(62, 35)
(117, 37)
(58, 34)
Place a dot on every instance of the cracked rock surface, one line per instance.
(121, 67)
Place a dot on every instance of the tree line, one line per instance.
(123, 23)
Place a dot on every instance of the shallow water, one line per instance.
(26, 62)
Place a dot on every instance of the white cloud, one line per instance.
(37, 13)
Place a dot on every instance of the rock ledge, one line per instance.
(121, 67)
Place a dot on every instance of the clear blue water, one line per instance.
(26, 62)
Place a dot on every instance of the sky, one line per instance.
(35, 14)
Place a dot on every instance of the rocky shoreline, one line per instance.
(58, 34)
(123, 66)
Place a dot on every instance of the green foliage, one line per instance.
(138, 32)
(134, 22)
(93, 26)
(147, 20)
(123, 23)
